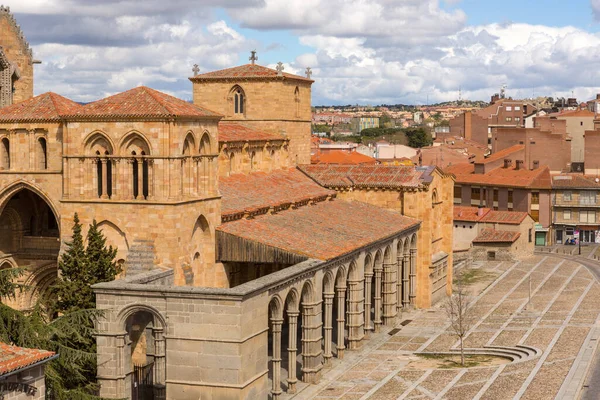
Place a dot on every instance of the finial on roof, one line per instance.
(196, 69)
(253, 56)
(280, 68)
(308, 72)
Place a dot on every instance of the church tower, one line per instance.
(16, 61)
(261, 98)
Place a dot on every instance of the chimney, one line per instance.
(536, 164)
(519, 165)
(507, 163)
(480, 211)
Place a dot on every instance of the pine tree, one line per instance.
(101, 260)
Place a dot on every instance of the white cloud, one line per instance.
(370, 51)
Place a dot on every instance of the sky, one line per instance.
(360, 51)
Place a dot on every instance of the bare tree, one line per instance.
(458, 308)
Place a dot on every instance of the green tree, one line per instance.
(418, 137)
(81, 267)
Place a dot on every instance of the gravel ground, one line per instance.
(439, 379)
(547, 381)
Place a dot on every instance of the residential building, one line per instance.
(503, 182)
(499, 235)
(363, 122)
(575, 208)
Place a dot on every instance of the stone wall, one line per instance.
(36, 379)
(270, 106)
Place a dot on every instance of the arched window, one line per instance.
(252, 160)
(205, 144)
(108, 174)
(134, 174)
(144, 176)
(231, 161)
(297, 101)
(239, 101)
(42, 154)
(5, 154)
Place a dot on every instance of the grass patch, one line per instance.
(472, 276)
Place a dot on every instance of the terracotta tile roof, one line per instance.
(13, 358)
(391, 176)
(261, 189)
(504, 217)
(465, 213)
(496, 236)
(574, 181)
(246, 71)
(341, 157)
(233, 132)
(45, 107)
(502, 177)
(325, 230)
(502, 154)
(573, 113)
(143, 102)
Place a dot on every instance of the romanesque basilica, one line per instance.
(247, 270)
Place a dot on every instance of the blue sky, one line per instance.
(361, 51)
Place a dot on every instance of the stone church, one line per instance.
(246, 270)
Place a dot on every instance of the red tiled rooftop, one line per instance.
(465, 213)
(335, 175)
(504, 217)
(45, 107)
(261, 189)
(500, 176)
(574, 181)
(232, 132)
(573, 113)
(324, 231)
(246, 71)
(501, 154)
(13, 358)
(143, 102)
(496, 236)
(341, 157)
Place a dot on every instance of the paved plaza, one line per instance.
(547, 302)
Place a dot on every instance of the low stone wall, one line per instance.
(492, 253)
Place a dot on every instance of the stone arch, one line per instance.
(413, 241)
(15, 187)
(368, 264)
(292, 300)
(276, 307)
(4, 153)
(132, 308)
(328, 282)
(341, 276)
(135, 142)
(205, 144)
(98, 142)
(115, 237)
(7, 263)
(41, 153)
(201, 249)
(189, 144)
(39, 283)
(231, 162)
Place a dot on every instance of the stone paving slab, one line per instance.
(561, 319)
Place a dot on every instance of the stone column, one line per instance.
(328, 327)
(389, 293)
(104, 195)
(355, 312)
(276, 360)
(292, 349)
(129, 178)
(159, 356)
(378, 306)
(405, 281)
(116, 189)
(311, 341)
(399, 259)
(413, 276)
(368, 283)
(91, 175)
(341, 302)
(150, 179)
(140, 178)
